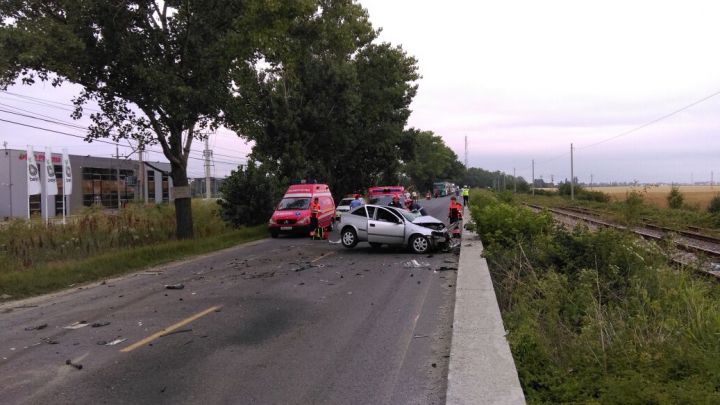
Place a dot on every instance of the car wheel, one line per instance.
(375, 245)
(349, 238)
(420, 244)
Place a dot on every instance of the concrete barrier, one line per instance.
(481, 369)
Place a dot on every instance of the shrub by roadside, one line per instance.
(599, 318)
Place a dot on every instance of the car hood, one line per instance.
(429, 222)
(426, 219)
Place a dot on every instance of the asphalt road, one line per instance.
(279, 321)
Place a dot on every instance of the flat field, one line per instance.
(699, 196)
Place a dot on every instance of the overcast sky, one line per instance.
(633, 85)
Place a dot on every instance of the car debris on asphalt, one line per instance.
(70, 363)
(112, 343)
(77, 325)
(415, 263)
(175, 286)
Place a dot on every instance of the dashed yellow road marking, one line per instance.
(170, 329)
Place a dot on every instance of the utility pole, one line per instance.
(572, 175)
(10, 183)
(207, 153)
(712, 182)
(141, 172)
(466, 153)
(117, 173)
(533, 177)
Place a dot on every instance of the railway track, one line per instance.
(699, 249)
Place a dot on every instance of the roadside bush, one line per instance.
(714, 206)
(596, 196)
(633, 204)
(505, 225)
(249, 196)
(675, 198)
(598, 318)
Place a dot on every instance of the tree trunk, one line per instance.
(183, 206)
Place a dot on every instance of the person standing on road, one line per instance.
(414, 196)
(465, 195)
(455, 211)
(314, 214)
(395, 202)
(356, 202)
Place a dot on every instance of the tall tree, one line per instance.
(336, 108)
(433, 162)
(161, 71)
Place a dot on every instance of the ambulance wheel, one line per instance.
(274, 234)
(349, 238)
(420, 244)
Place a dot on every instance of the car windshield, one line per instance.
(293, 204)
(410, 216)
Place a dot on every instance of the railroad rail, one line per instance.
(697, 245)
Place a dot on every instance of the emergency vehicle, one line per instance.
(385, 190)
(292, 213)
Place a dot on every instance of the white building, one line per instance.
(95, 180)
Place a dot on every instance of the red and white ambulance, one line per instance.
(292, 213)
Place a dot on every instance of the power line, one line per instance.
(652, 122)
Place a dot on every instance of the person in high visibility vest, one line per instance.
(314, 214)
(455, 214)
(465, 195)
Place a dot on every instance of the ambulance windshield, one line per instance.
(293, 204)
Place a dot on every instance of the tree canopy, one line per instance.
(337, 106)
(161, 71)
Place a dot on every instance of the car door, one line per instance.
(386, 227)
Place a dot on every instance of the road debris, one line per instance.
(50, 341)
(414, 263)
(77, 325)
(43, 326)
(113, 343)
(100, 324)
(420, 336)
(175, 286)
(70, 363)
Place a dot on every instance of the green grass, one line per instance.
(34, 260)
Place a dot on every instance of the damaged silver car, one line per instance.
(383, 225)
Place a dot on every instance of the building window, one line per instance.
(151, 185)
(102, 186)
(165, 189)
